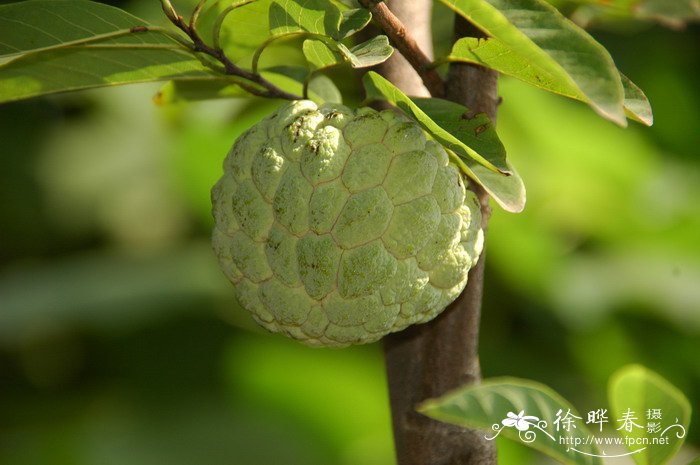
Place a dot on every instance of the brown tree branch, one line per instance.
(406, 44)
(230, 68)
(428, 360)
(473, 86)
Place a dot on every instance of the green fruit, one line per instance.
(338, 227)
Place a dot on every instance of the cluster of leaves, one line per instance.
(60, 45)
(54, 46)
(674, 14)
(633, 387)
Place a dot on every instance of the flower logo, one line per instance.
(521, 421)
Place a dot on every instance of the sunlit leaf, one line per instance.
(289, 78)
(370, 53)
(42, 25)
(320, 55)
(378, 87)
(472, 130)
(313, 16)
(536, 30)
(298, 18)
(197, 89)
(490, 406)
(322, 89)
(637, 105)
(349, 3)
(635, 393)
(61, 45)
(495, 175)
(354, 20)
(243, 30)
(494, 54)
(68, 70)
(292, 78)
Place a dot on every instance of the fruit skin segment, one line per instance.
(339, 226)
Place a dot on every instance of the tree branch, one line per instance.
(428, 360)
(230, 68)
(405, 42)
(473, 86)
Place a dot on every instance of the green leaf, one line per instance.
(302, 18)
(322, 89)
(68, 70)
(478, 131)
(42, 25)
(62, 45)
(349, 3)
(637, 105)
(507, 191)
(292, 79)
(635, 390)
(377, 87)
(289, 78)
(536, 30)
(312, 16)
(472, 130)
(320, 55)
(247, 28)
(372, 52)
(197, 89)
(485, 407)
(495, 174)
(317, 18)
(239, 38)
(494, 54)
(354, 20)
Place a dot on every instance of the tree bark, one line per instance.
(428, 360)
(415, 15)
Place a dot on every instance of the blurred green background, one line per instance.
(122, 343)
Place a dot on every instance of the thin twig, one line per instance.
(230, 68)
(220, 21)
(261, 48)
(407, 45)
(196, 12)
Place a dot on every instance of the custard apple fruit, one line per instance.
(338, 226)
